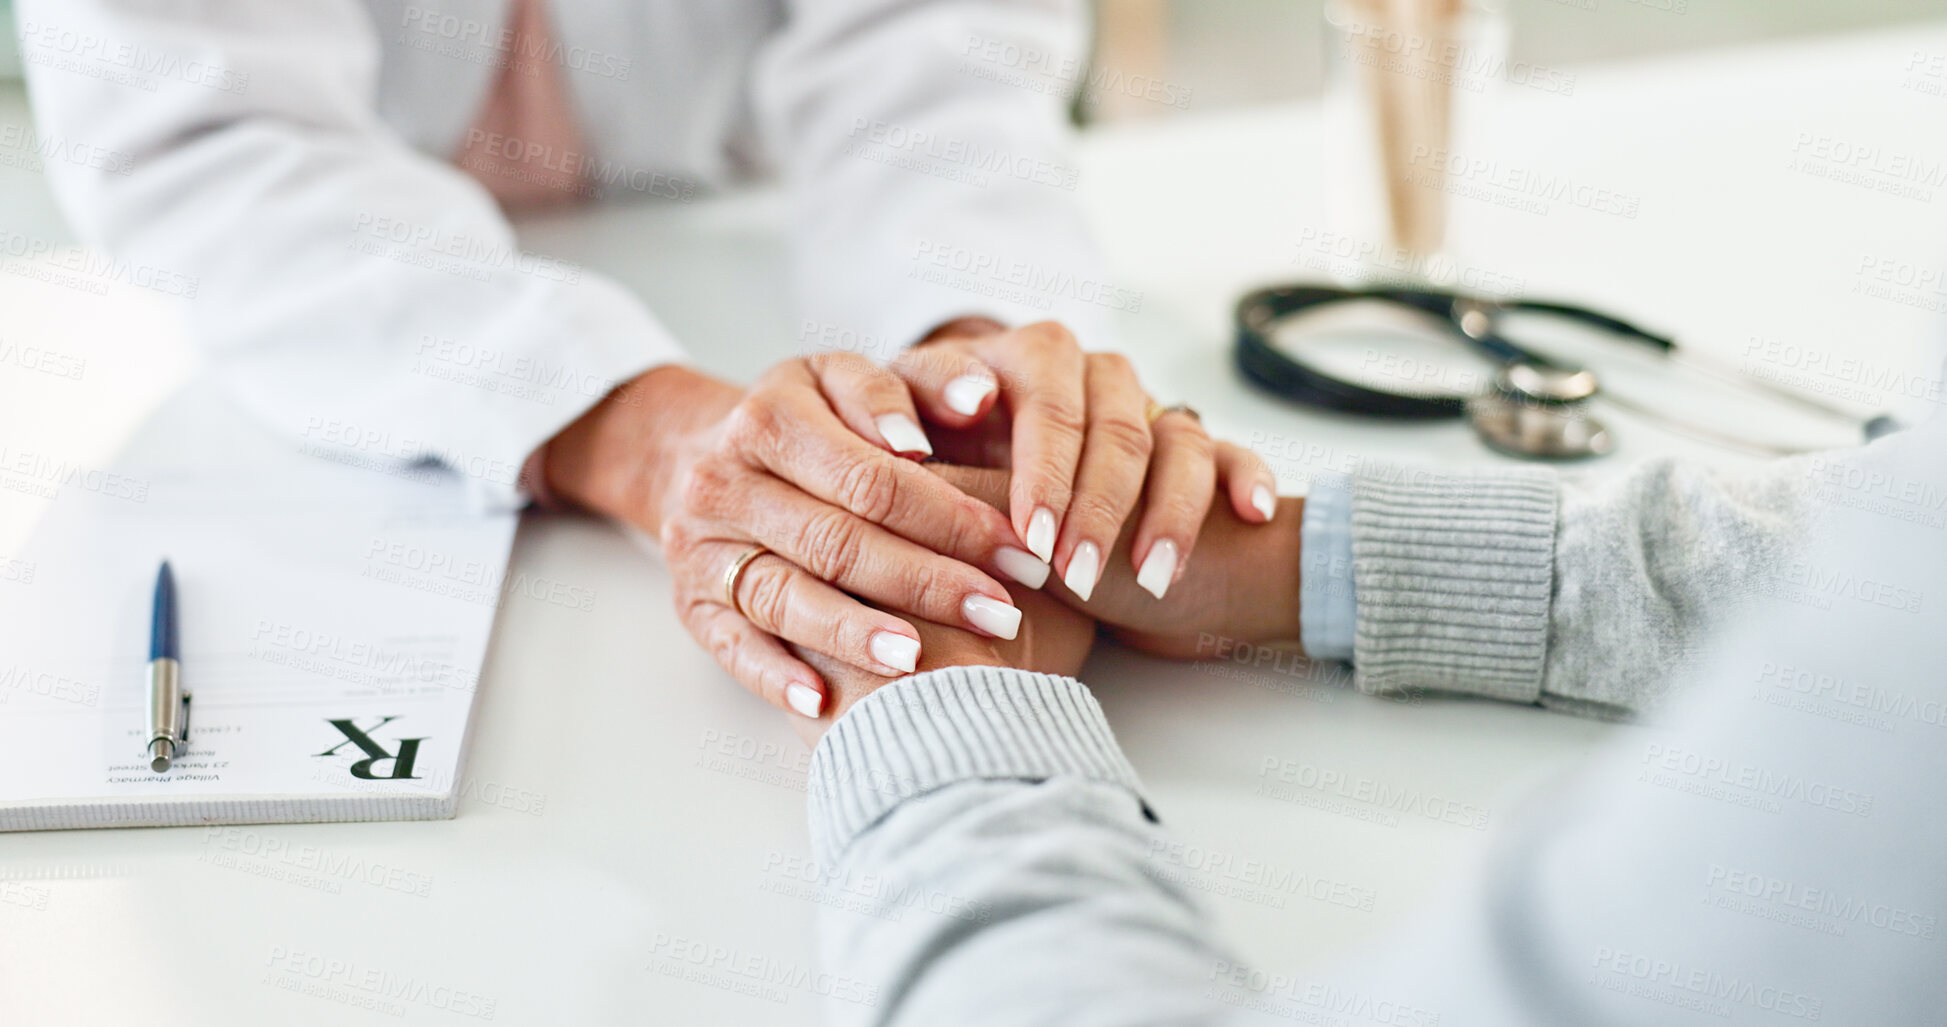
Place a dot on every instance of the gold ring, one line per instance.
(1156, 410)
(736, 571)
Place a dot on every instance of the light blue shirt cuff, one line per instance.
(1328, 607)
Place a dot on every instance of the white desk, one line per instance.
(624, 791)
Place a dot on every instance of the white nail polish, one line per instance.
(1041, 533)
(1021, 565)
(965, 393)
(1266, 503)
(900, 652)
(803, 699)
(1083, 568)
(1158, 569)
(903, 435)
(992, 616)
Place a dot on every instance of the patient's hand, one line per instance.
(1243, 585)
(1053, 640)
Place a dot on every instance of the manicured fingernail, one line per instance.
(1266, 504)
(1022, 566)
(965, 393)
(900, 652)
(1041, 533)
(992, 616)
(903, 435)
(1084, 566)
(804, 699)
(1158, 569)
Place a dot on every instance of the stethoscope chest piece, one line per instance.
(1537, 430)
(1536, 412)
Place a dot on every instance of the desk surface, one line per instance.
(622, 792)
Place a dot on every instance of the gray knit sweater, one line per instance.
(1809, 831)
(1584, 597)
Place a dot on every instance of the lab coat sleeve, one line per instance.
(1585, 596)
(928, 149)
(367, 299)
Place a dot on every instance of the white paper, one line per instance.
(313, 597)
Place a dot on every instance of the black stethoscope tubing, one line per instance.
(1469, 320)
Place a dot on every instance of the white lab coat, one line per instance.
(290, 161)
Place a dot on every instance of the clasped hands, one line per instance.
(876, 565)
(1243, 589)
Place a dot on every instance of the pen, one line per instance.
(168, 705)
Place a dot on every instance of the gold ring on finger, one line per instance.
(1156, 410)
(736, 571)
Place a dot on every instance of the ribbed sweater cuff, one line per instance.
(1454, 574)
(932, 730)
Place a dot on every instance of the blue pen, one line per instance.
(168, 704)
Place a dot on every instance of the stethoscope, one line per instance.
(1534, 408)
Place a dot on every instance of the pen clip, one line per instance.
(182, 737)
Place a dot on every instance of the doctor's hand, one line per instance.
(1054, 639)
(1089, 452)
(1243, 588)
(807, 464)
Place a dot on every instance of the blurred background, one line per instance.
(1235, 52)
(1240, 52)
